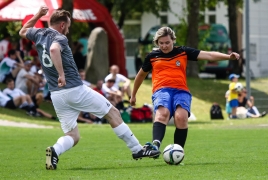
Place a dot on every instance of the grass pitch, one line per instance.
(229, 149)
(239, 152)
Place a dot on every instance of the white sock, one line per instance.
(63, 144)
(256, 110)
(124, 133)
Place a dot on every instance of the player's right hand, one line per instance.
(132, 101)
(43, 10)
(61, 81)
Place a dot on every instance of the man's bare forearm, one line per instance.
(29, 24)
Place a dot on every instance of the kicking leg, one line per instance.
(123, 132)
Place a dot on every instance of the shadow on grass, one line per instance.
(113, 168)
(199, 122)
(211, 90)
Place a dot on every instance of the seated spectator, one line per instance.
(252, 111)
(112, 94)
(34, 103)
(88, 118)
(17, 102)
(26, 81)
(82, 73)
(98, 87)
(119, 78)
(13, 93)
(9, 67)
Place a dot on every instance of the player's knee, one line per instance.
(162, 116)
(76, 139)
(181, 120)
(114, 117)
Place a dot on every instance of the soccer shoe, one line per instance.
(51, 158)
(153, 147)
(263, 114)
(146, 151)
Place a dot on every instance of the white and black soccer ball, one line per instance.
(238, 87)
(173, 154)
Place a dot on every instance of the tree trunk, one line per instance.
(232, 14)
(68, 6)
(109, 5)
(121, 20)
(192, 36)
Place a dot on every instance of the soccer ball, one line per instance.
(173, 154)
(238, 87)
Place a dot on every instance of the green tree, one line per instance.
(192, 36)
(123, 9)
(232, 5)
(68, 6)
(232, 15)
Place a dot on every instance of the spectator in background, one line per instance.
(252, 111)
(82, 74)
(5, 45)
(112, 94)
(27, 81)
(9, 67)
(78, 56)
(98, 87)
(228, 109)
(233, 95)
(13, 93)
(84, 41)
(119, 78)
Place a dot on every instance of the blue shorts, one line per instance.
(171, 98)
(233, 103)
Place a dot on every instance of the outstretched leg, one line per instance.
(123, 132)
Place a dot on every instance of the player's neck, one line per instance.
(55, 28)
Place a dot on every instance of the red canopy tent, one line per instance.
(84, 11)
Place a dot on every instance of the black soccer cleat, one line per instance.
(146, 151)
(51, 159)
(263, 114)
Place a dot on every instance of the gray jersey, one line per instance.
(43, 38)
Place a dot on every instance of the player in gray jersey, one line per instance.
(68, 94)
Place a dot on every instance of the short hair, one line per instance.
(11, 52)
(81, 70)
(162, 32)
(59, 16)
(8, 80)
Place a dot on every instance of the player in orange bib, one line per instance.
(171, 96)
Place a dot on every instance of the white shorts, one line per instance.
(68, 103)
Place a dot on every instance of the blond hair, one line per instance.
(162, 32)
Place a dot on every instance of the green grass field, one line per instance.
(229, 149)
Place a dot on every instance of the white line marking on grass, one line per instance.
(21, 124)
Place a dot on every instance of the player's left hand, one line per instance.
(61, 81)
(234, 56)
(132, 101)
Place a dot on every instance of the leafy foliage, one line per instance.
(125, 9)
(11, 28)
